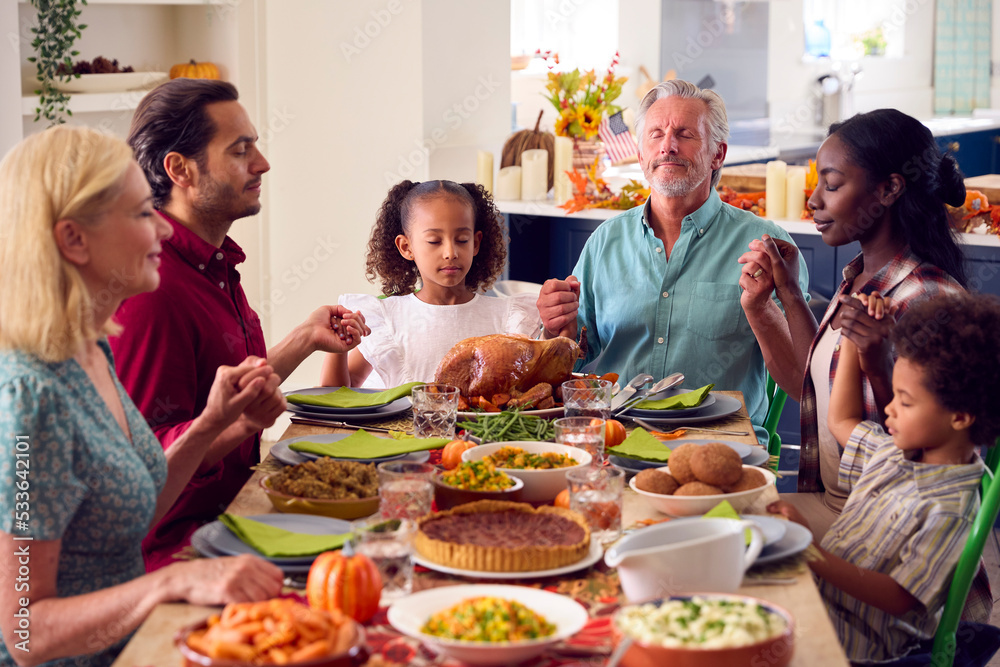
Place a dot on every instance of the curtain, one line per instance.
(962, 56)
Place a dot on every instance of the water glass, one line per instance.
(435, 407)
(405, 489)
(596, 493)
(389, 544)
(587, 398)
(584, 432)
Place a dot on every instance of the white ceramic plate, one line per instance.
(409, 614)
(723, 407)
(595, 554)
(796, 540)
(111, 83)
(698, 505)
(222, 540)
(282, 453)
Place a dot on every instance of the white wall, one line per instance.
(466, 84)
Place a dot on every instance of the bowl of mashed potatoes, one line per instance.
(708, 630)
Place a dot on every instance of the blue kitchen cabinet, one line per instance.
(976, 152)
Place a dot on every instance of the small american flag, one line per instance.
(618, 141)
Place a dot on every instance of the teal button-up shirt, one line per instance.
(646, 313)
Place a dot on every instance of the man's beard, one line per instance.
(219, 205)
(675, 186)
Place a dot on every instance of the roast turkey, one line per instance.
(500, 363)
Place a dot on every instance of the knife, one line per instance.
(336, 424)
(619, 399)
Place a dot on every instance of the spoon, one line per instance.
(668, 382)
(639, 380)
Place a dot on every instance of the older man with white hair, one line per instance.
(657, 287)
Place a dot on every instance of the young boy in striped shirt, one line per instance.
(888, 559)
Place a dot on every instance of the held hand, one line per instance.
(558, 303)
(336, 329)
(234, 388)
(788, 511)
(870, 335)
(263, 410)
(219, 581)
(756, 279)
(784, 259)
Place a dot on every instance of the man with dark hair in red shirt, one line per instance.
(198, 149)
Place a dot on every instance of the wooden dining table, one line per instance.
(788, 585)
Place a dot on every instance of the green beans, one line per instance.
(509, 425)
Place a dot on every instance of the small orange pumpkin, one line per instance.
(348, 583)
(194, 70)
(562, 500)
(614, 433)
(451, 455)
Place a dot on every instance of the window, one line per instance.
(851, 29)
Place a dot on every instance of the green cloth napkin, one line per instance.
(345, 397)
(689, 399)
(363, 445)
(640, 444)
(275, 542)
(726, 511)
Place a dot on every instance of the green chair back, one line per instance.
(943, 652)
(776, 397)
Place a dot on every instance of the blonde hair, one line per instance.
(61, 173)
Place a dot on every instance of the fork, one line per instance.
(649, 427)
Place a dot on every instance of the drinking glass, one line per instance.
(389, 543)
(405, 489)
(596, 493)
(587, 398)
(583, 432)
(435, 407)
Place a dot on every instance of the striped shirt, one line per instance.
(905, 278)
(908, 520)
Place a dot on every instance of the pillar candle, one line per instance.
(563, 162)
(774, 189)
(484, 170)
(534, 174)
(508, 184)
(795, 192)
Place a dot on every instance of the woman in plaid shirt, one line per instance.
(884, 183)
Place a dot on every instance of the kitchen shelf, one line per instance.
(87, 102)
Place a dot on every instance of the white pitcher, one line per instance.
(705, 556)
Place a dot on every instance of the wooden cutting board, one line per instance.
(988, 184)
(744, 177)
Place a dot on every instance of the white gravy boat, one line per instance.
(705, 556)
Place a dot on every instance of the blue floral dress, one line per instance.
(68, 472)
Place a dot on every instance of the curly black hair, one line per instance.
(398, 274)
(956, 340)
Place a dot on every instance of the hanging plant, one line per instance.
(57, 29)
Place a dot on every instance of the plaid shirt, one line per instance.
(905, 278)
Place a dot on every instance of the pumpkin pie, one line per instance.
(501, 536)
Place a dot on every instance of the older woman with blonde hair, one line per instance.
(82, 477)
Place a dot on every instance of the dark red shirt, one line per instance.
(173, 341)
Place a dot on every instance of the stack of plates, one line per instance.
(372, 413)
(751, 456)
(715, 406)
(782, 538)
(282, 451)
(214, 540)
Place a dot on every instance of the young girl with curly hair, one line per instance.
(450, 237)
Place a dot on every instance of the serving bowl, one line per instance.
(695, 505)
(540, 485)
(354, 656)
(447, 496)
(774, 651)
(409, 614)
(349, 508)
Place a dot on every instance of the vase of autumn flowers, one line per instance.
(582, 100)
